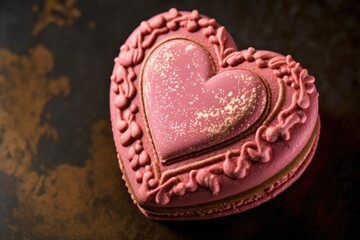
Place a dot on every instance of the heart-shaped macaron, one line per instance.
(203, 130)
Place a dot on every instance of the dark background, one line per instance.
(59, 177)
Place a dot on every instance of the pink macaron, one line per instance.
(204, 130)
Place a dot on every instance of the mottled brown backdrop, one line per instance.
(59, 177)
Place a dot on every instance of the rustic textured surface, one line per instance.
(58, 170)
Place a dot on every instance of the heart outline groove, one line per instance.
(222, 137)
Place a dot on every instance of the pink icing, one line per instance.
(189, 109)
(222, 172)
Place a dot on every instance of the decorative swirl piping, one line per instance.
(233, 165)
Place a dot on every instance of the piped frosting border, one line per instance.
(161, 187)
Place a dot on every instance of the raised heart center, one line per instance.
(188, 108)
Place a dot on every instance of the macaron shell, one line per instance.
(211, 182)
